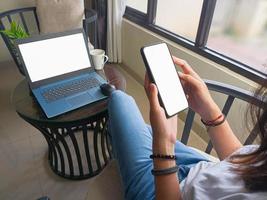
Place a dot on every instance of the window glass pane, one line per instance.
(179, 16)
(239, 30)
(140, 5)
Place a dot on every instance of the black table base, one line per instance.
(78, 145)
(77, 150)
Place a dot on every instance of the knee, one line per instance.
(117, 94)
(119, 97)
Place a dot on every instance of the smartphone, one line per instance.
(161, 71)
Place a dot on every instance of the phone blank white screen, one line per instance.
(52, 57)
(166, 78)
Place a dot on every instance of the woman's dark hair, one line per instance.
(252, 167)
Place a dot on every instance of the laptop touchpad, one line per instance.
(80, 99)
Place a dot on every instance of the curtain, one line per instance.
(100, 6)
(115, 11)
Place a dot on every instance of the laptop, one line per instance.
(59, 71)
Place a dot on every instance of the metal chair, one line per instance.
(232, 93)
(27, 17)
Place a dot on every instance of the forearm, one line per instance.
(222, 137)
(166, 186)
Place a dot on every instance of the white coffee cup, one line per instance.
(99, 58)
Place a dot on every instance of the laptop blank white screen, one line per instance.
(52, 57)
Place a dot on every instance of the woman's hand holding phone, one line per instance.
(198, 96)
(164, 129)
(164, 139)
(199, 99)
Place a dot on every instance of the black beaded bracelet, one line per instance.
(161, 156)
(160, 172)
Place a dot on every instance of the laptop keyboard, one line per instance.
(70, 88)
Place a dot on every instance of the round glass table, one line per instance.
(78, 143)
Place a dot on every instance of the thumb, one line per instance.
(153, 97)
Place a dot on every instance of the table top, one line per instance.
(26, 105)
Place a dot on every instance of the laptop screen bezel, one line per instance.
(53, 79)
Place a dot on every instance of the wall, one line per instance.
(8, 5)
(134, 37)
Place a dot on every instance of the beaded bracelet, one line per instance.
(161, 156)
(160, 172)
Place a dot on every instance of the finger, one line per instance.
(183, 64)
(185, 85)
(189, 81)
(180, 74)
(183, 77)
(146, 83)
(146, 80)
(153, 97)
(187, 96)
(187, 69)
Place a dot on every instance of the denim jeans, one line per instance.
(131, 140)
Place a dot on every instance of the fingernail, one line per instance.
(152, 86)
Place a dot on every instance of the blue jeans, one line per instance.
(131, 140)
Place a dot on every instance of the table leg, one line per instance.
(77, 150)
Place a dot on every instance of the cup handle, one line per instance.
(105, 59)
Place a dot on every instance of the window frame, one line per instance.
(147, 20)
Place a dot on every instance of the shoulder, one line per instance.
(246, 149)
(217, 180)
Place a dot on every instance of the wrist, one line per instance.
(163, 164)
(211, 113)
(163, 147)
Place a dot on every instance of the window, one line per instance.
(181, 18)
(140, 5)
(239, 30)
(232, 33)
